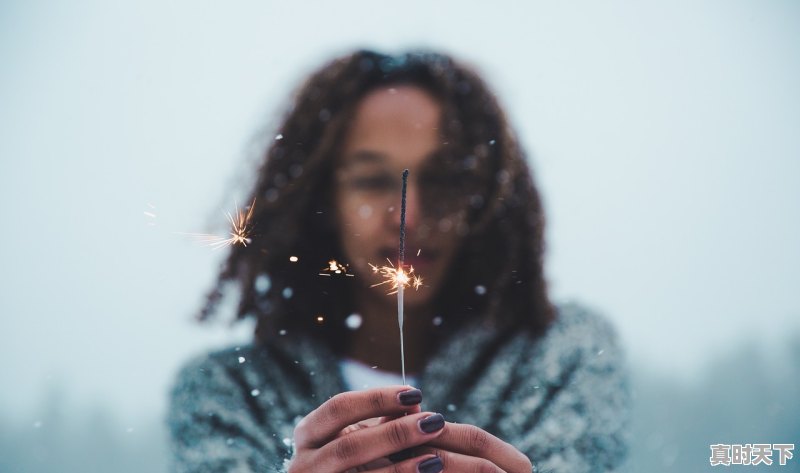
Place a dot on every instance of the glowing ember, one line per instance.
(396, 277)
(151, 215)
(241, 228)
(335, 267)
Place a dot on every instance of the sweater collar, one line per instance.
(444, 381)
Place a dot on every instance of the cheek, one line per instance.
(359, 222)
(365, 211)
(447, 229)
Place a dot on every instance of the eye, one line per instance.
(379, 182)
(454, 180)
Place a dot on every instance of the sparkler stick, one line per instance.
(400, 267)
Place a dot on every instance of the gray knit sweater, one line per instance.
(561, 399)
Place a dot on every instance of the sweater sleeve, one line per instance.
(215, 428)
(569, 413)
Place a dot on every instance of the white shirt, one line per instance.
(358, 376)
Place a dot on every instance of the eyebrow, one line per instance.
(366, 156)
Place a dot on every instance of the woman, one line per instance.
(509, 382)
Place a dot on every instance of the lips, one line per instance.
(420, 262)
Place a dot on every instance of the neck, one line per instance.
(377, 341)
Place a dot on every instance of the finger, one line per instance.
(415, 409)
(347, 408)
(364, 424)
(472, 441)
(461, 463)
(409, 452)
(467, 464)
(363, 446)
(420, 464)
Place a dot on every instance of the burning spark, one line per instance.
(396, 277)
(151, 215)
(241, 228)
(293, 259)
(335, 267)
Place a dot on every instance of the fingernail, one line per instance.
(431, 423)
(431, 465)
(410, 397)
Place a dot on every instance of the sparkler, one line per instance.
(397, 277)
(401, 287)
(240, 231)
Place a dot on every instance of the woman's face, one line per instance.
(394, 129)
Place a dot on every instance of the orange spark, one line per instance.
(396, 277)
(240, 231)
(335, 267)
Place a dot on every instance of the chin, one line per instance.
(415, 299)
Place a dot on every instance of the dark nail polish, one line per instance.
(432, 423)
(402, 455)
(431, 465)
(410, 397)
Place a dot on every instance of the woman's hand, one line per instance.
(466, 448)
(338, 436)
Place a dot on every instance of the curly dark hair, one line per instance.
(501, 253)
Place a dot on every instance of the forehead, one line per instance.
(401, 103)
(400, 123)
